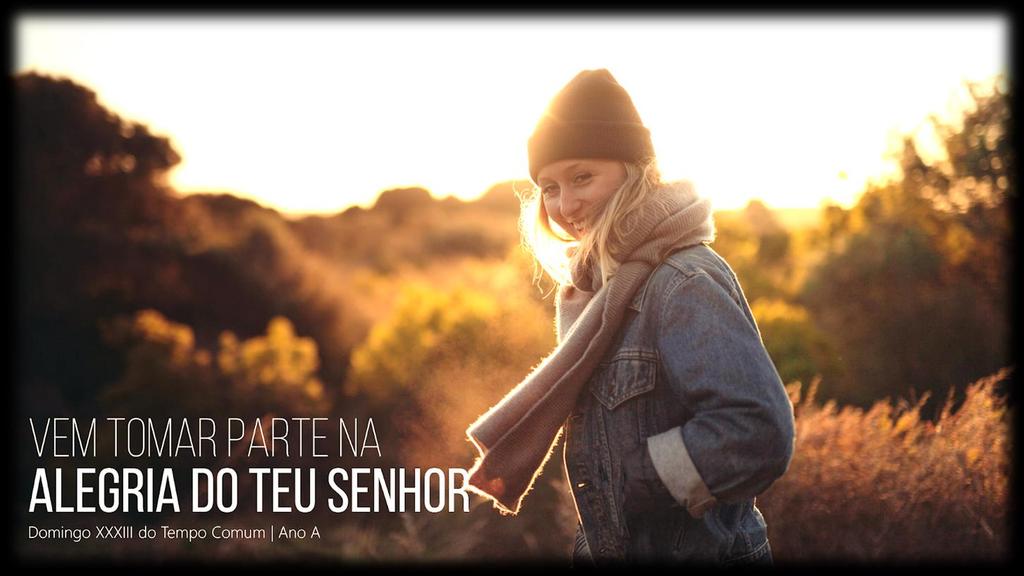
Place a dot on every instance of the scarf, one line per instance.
(517, 435)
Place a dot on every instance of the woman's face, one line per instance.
(575, 190)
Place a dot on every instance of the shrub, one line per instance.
(885, 484)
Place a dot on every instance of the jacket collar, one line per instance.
(637, 304)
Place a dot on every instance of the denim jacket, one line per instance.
(687, 380)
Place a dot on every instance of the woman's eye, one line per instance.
(549, 190)
(581, 178)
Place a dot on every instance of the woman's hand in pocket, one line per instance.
(643, 490)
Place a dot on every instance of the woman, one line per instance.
(674, 415)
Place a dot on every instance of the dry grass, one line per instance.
(882, 484)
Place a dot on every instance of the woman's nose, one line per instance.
(570, 207)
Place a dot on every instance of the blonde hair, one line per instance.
(556, 253)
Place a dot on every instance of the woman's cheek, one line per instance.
(551, 207)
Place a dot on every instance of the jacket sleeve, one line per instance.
(740, 437)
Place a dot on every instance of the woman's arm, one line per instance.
(740, 438)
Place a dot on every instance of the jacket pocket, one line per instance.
(628, 374)
(751, 542)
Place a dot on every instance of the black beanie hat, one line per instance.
(591, 117)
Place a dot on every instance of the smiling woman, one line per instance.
(674, 415)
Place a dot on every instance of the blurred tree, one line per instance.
(834, 224)
(797, 347)
(101, 234)
(758, 248)
(275, 373)
(403, 203)
(426, 326)
(975, 182)
(773, 239)
(88, 186)
(912, 289)
(77, 159)
(164, 375)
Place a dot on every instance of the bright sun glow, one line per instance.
(315, 115)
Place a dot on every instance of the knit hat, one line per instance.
(591, 117)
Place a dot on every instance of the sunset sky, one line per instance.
(317, 113)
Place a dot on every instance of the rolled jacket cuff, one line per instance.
(675, 468)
